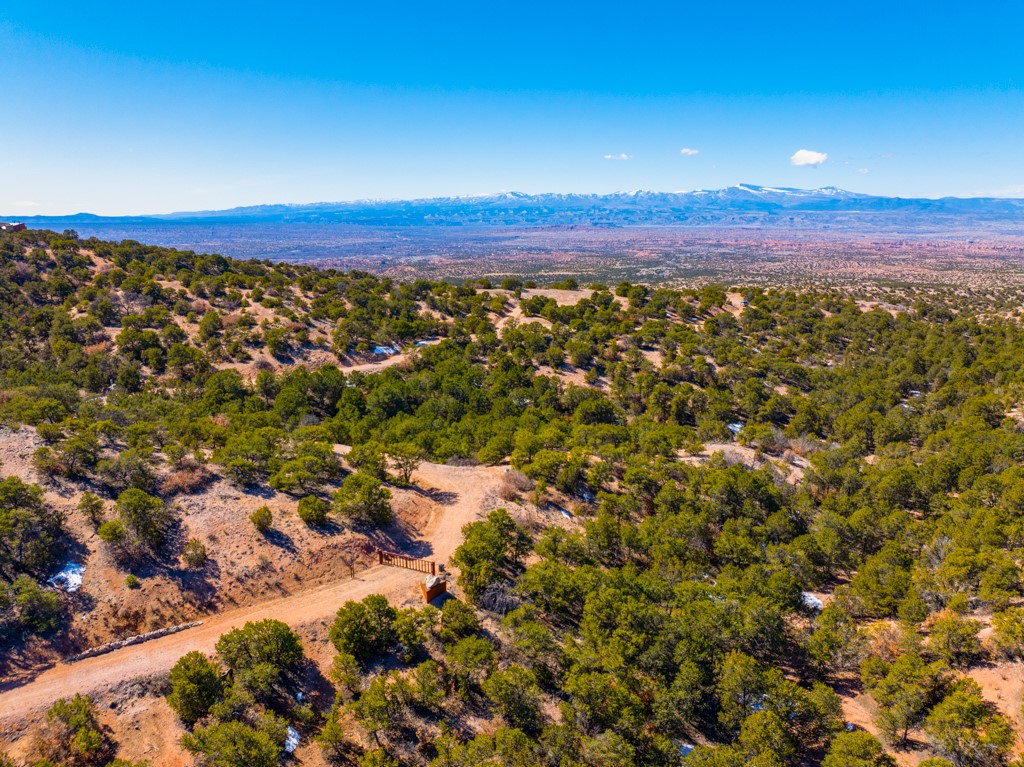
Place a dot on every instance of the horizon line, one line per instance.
(468, 197)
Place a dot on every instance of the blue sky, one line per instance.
(122, 108)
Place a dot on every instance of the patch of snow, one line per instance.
(69, 578)
(812, 601)
(292, 741)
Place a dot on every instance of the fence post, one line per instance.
(380, 557)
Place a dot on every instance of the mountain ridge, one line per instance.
(636, 208)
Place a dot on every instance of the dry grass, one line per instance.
(513, 485)
(186, 481)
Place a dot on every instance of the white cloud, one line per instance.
(863, 170)
(807, 157)
(25, 204)
(688, 152)
(620, 156)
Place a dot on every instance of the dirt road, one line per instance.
(465, 489)
(386, 362)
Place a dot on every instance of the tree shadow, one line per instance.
(200, 581)
(847, 684)
(399, 538)
(281, 540)
(346, 752)
(329, 527)
(440, 497)
(316, 689)
(284, 356)
(912, 743)
(81, 602)
(72, 550)
(258, 491)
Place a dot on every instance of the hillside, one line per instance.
(728, 526)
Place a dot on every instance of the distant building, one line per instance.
(11, 226)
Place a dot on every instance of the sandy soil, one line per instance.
(569, 375)
(733, 453)
(1003, 685)
(516, 314)
(893, 309)
(790, 467)
(734, 304)
(561, 297)
(653, 356)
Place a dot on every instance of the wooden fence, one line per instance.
(397, 560)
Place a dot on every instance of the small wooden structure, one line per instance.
(432, 587)
(397, 560)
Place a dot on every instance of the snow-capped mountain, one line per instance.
(742, 205)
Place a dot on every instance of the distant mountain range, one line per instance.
(741, 205)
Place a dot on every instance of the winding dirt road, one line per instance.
(466, 488)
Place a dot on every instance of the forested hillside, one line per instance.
(739, 527)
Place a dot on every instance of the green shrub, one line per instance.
(313, 511)
(458, 620)
(1008, 633)
(262, 519)
(364, 499)
(364, 629)
(194, 553)
(91, 505)
(196, 685)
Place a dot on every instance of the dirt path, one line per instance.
(386, 362)
(465, 492)
(377, 365)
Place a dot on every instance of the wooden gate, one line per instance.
(397, 560)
